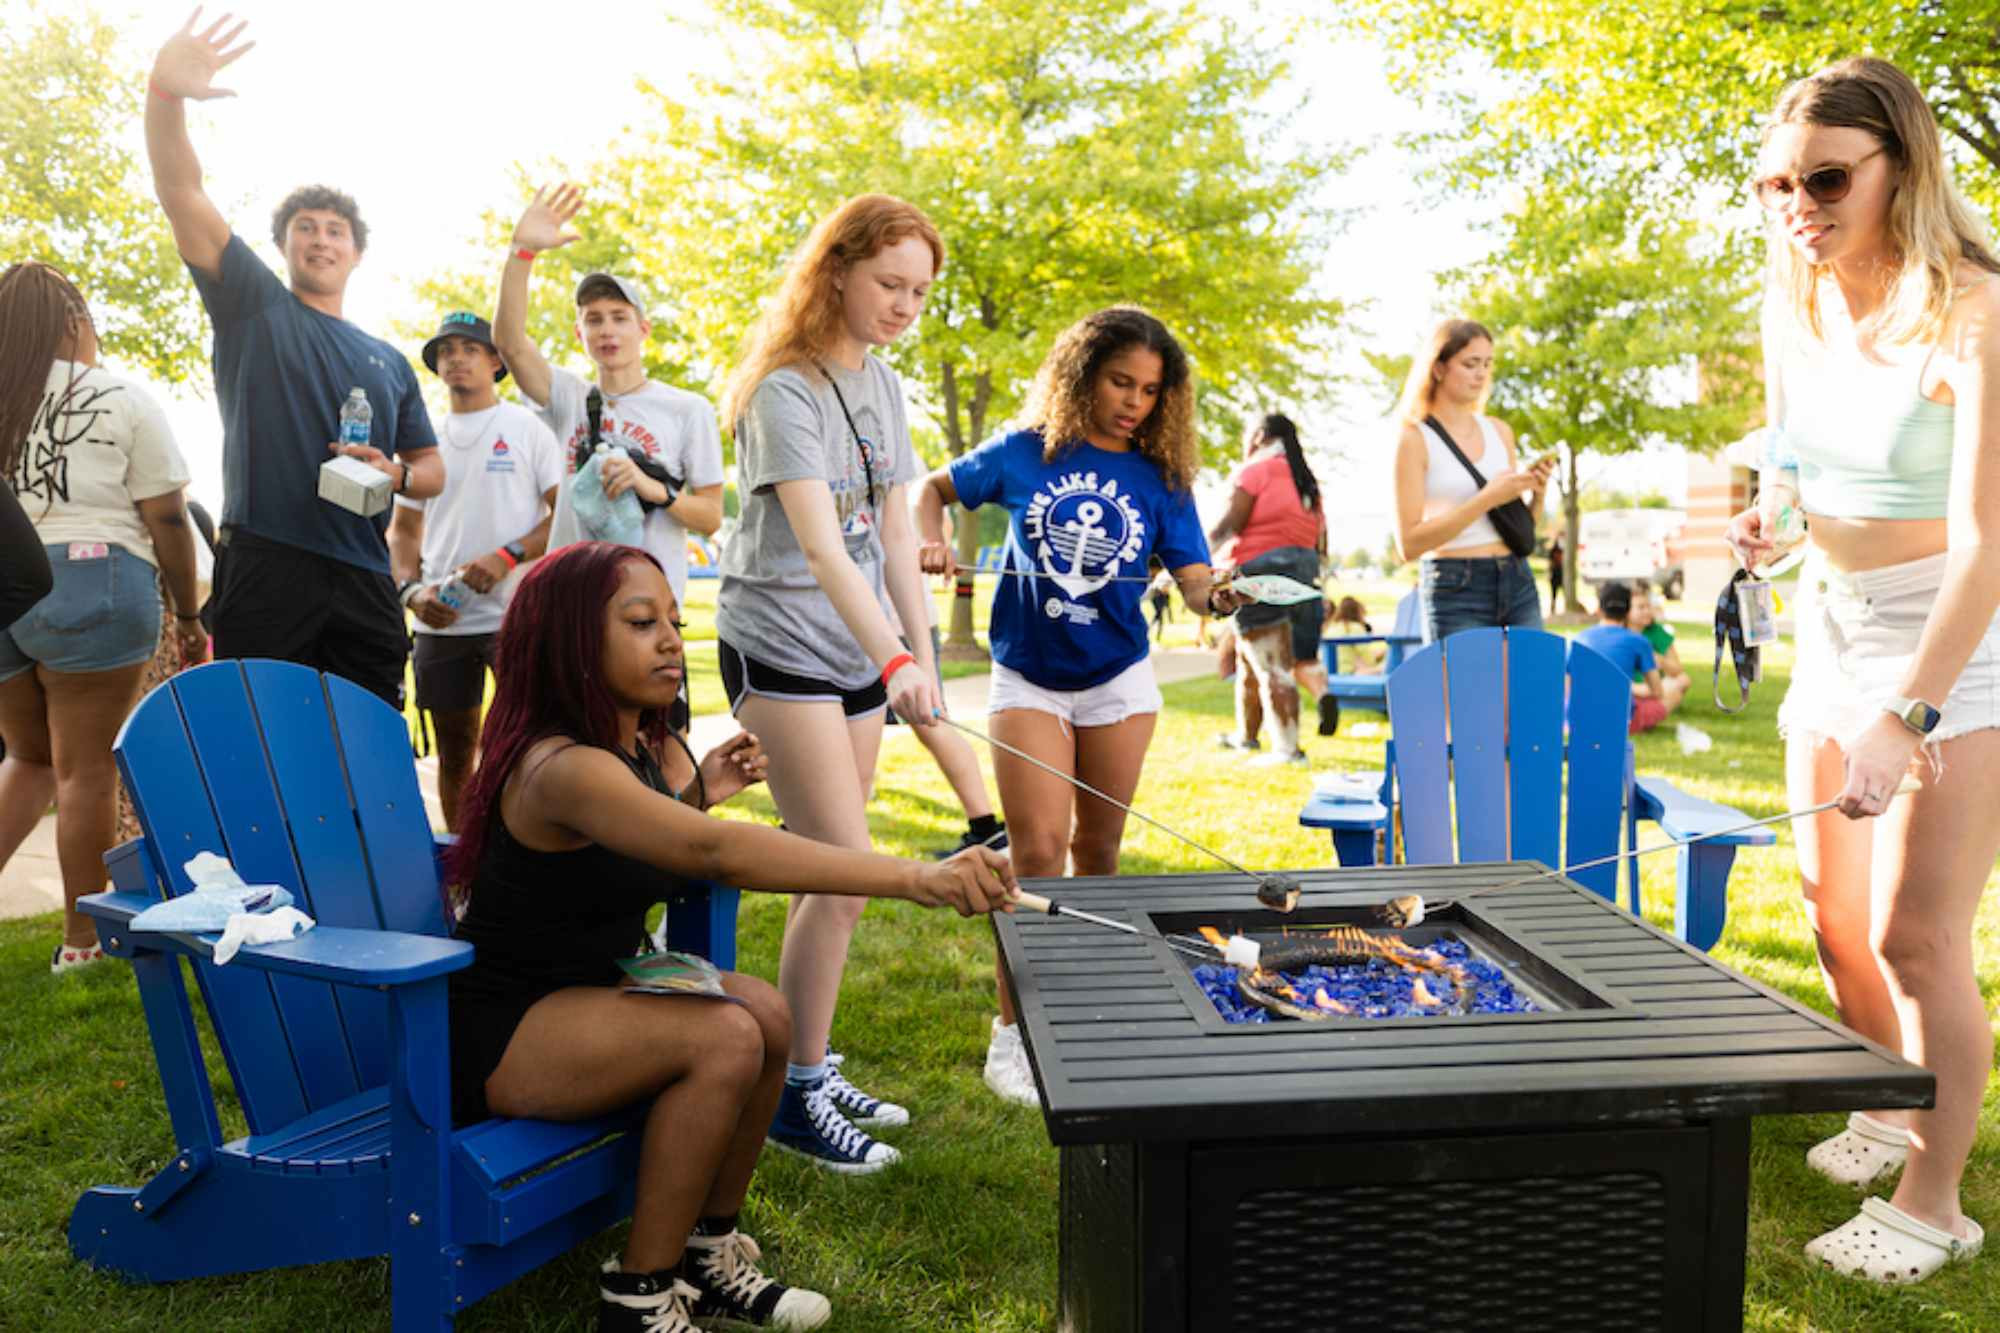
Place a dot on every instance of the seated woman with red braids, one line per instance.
(571, 832)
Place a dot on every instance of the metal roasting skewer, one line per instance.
(1907, 786)
(1188, 945)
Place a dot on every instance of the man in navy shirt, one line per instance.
(296, 577)
(1652, 698)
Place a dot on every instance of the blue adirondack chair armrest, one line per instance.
(1681, 816)
(1322, 811)
(370, 958)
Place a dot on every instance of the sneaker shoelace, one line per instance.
(846, 1095)
(667, 1311)
(834, 1127)
(729, 1267)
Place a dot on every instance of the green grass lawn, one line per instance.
(962, 1235)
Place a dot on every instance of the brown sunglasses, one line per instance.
(1828, 185)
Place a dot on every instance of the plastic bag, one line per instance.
(598, 516)
(218, 894)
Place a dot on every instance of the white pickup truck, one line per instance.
(1632, 545)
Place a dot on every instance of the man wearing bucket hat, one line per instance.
(452, 554)
(671, 450)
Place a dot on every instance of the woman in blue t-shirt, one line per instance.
(1097, 480)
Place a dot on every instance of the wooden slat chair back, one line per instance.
(1512, 745)
(1487, 767)
(336, 1042)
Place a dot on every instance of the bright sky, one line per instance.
(421, 111)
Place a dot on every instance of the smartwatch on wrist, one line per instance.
(403, 482)
(1915, 714)
(515, 551)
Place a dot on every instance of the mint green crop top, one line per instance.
(1869, 444)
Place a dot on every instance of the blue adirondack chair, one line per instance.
(1482, 746)
(1370, 691)
(336, 1041)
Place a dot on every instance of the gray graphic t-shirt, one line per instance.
(770, 607)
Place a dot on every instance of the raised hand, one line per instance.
(737, 763)
(545, 223)
(188, 63)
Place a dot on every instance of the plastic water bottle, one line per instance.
(357, 418)
(1778, 499)
(453, 591)
(601, 517)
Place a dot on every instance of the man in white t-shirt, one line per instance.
(502, 468)
(671, 449)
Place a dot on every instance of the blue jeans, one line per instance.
(1479, 593)
(103, 614)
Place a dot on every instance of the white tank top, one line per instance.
(1447, 484)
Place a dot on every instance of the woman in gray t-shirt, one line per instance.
(808, 655)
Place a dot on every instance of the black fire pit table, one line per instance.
(1584, 1165)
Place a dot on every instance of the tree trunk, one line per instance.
(960, 641)
(1572, 523)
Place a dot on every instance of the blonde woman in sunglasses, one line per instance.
(1882, 361)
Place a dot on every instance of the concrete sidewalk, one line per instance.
(31, 883)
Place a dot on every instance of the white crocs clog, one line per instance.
(1863, 1153)
(1882, 1243)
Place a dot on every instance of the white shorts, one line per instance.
(1857, 635)
(1127, 694)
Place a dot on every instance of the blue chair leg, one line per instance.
(705, 923)
(1701, 902)
(1355, 846)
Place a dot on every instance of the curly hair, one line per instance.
(800, 324)
(319, 196)
(1059, 404)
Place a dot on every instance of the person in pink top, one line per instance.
(1279, 523)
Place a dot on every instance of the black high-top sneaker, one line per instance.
(734, 1294)
(644, 1302)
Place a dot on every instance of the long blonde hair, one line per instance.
(802, 320)
(1447, 340)
(1060, 400)
(1931, 227)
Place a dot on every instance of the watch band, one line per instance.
(1915, 714)
(516, 550)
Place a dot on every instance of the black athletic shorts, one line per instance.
(451, 670)
(746, 675)
(273, 600)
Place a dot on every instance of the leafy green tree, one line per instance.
(73, 194)
(1616, 329)
(1678, 89)
(1073, 156)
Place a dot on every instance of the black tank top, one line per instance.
(540, 921)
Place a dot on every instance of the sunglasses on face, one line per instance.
(1828, 185)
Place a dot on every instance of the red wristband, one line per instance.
(506, 555)
(154, 88)
(525, 255)
(897, 663)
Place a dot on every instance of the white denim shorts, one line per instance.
(1127, 694)
(1857, 635)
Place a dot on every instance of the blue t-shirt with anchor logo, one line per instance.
(1081, 531)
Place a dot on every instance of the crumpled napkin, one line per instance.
(260, 928)
(219, 893)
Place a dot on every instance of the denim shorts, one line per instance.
(1858, 634)
(1302, 619)
(1479, 592)
(104, 613)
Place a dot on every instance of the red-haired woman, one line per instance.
(572, 831)
(808, 654)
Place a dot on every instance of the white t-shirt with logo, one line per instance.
(497, 466)
(672, 427)
(98, 445)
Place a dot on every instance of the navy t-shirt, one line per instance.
(1631, 652)
(282, 371)
(1077, 523)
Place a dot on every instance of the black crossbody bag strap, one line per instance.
(1515, 530)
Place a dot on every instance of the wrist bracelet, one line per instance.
(506, 555)
(525, 255)
(897, 663)
(408, 591)
(403, 482)
(178, 616)
(154, 89)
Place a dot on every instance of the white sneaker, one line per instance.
(1008, 1072)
